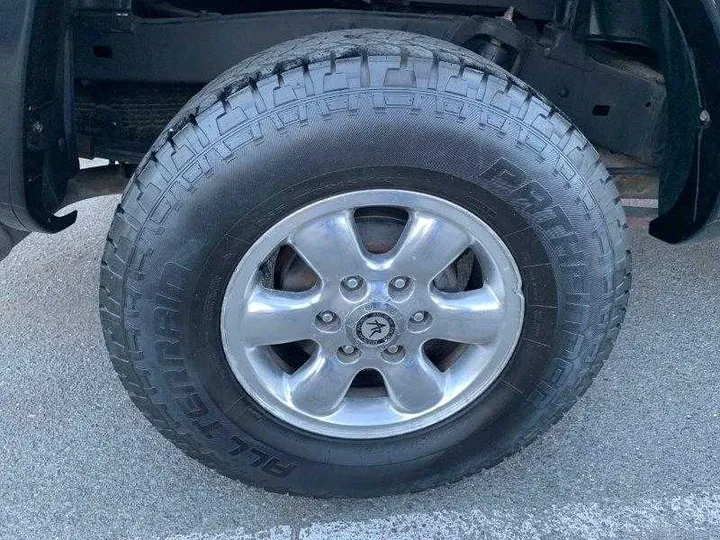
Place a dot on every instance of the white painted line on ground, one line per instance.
(693, 514)
(640, 203)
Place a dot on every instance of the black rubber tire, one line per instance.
(344, 111)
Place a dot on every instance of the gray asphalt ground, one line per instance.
(638, 456)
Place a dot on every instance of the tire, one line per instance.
(345, 112)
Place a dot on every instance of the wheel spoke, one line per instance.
(331, 246)
(413, 384)
(472, 317)
(427, 246)
(271, 317)
(320, 385)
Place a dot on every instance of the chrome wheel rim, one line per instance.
(369, 312)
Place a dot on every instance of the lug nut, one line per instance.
(419, 316)
(348, 349)
(399, 282)
(327, 316)
(352, 283)
(393, 349)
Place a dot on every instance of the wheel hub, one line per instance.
(372, 307)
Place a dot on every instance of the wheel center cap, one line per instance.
(375, 328)
(374, 324)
